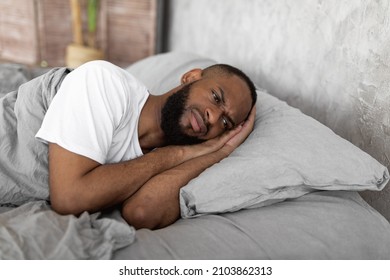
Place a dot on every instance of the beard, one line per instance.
(171, 115)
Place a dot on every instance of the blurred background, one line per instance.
(44, 32)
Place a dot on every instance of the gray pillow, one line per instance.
(287, 155)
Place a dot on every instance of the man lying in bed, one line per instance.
(103, 128)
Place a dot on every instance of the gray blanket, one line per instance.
(23, 161)
(33, 231)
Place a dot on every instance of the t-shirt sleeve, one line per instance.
(85, 112)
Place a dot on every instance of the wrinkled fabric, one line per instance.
(34, 231)
(24, 160)
(12, 76)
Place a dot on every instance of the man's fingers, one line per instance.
(220, 141)
(232, 137)
(248, 124)
(251, 118)
(246, 129)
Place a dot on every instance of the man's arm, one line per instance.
(79, 184)
(156, 204)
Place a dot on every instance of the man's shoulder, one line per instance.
(101, 70)
(102, 66)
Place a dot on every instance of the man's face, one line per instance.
(204, 109)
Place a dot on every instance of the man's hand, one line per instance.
(156, 203)
(227, 142)
(79, 184)
(244, 130)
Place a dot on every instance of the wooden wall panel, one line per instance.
(18, 35)
(38, 31)
(55, 31)
(131, 29)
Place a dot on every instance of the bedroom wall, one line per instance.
(329, 58)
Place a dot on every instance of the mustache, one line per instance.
(171, 115)
(206, 123)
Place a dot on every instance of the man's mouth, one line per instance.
(197, 123)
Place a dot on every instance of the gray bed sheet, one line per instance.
(34, 231)
(321, 225)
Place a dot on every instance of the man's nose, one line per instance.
(213, 114)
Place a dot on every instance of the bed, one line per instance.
(291, 191)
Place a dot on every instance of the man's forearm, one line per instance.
(74, 191)
(79, 184)
(156, 204)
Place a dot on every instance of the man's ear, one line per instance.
(191, 76)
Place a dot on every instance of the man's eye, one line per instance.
(216, 97)
(225, 124)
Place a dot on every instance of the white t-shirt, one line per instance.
(95, 113)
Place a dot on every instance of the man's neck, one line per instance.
(150, 134)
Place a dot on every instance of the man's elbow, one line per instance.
(64, 203)
(139, 216)
(136, 217)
